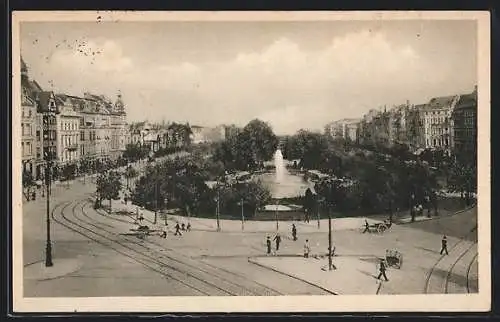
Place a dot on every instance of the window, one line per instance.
(30, 114)
(82, 136)
(28, 146)
(38, 154)
(38, 135)
(22, 148)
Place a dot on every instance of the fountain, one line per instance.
(282, 185)
(279, 166)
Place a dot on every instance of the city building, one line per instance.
(28, 123)
(436, 117)
(68, 134)
(465, 124)
(47, 107)
(231, 131)
(415, 127)
(345, 128)
(201, 134)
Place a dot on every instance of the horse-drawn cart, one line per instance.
(379, 227)
(394, 258)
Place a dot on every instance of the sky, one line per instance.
(293, 75)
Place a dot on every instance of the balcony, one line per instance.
(72, 147)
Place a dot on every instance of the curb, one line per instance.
(250, 260)
(438, 217)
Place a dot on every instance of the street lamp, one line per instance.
(276, 215)
(242, 216)
(217, 210)
(329, 205)
(48, 156)
(318, 203)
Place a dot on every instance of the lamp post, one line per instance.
(156, 195)
(276, 215)
(329, 203)
(242, 216)
(318, 203)
(330, 264)
(48, 155)
(217, 210)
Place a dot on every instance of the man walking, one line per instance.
(268, 243)
(294, 232)
(444, 245)
(367, 227)
(307, 249)
(177, 230)
(382, 270)
(277, 238)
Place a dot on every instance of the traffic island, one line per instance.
(352, 276)
(62, 267)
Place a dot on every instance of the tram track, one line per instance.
(193, 272)
(255, 288)
(431, 275)
(146, 261)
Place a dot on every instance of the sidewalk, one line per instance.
(251, 226)
(352, 276)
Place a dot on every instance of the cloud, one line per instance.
(93, 56)
(282, 83)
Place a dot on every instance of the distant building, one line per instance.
(201, 134)
(345, 128)
(465, 124)
(436, 117)
(230, 131)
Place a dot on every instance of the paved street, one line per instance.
(93, 252)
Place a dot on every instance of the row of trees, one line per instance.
(182, 183)
(384, 178)
(135, 152)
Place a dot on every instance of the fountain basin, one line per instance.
(280, 208)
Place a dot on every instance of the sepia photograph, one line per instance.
(239, 162)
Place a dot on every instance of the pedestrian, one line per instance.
(277, 238)
(444, 245)
(268, 243)
(33, 195)
(382, 270)
(183, 227)
(367, 227)
(188, 228)
(307, 249)
(177, 230)
(294, 232)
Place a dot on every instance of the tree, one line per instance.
(463, 180)
(130, 173)
(108, 187)
(28, 183)
(253, 194)
(249, 148)
(308, 201)
(68, 171)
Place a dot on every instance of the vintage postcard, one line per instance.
(251, 161)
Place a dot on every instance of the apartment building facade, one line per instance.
(28, 123)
